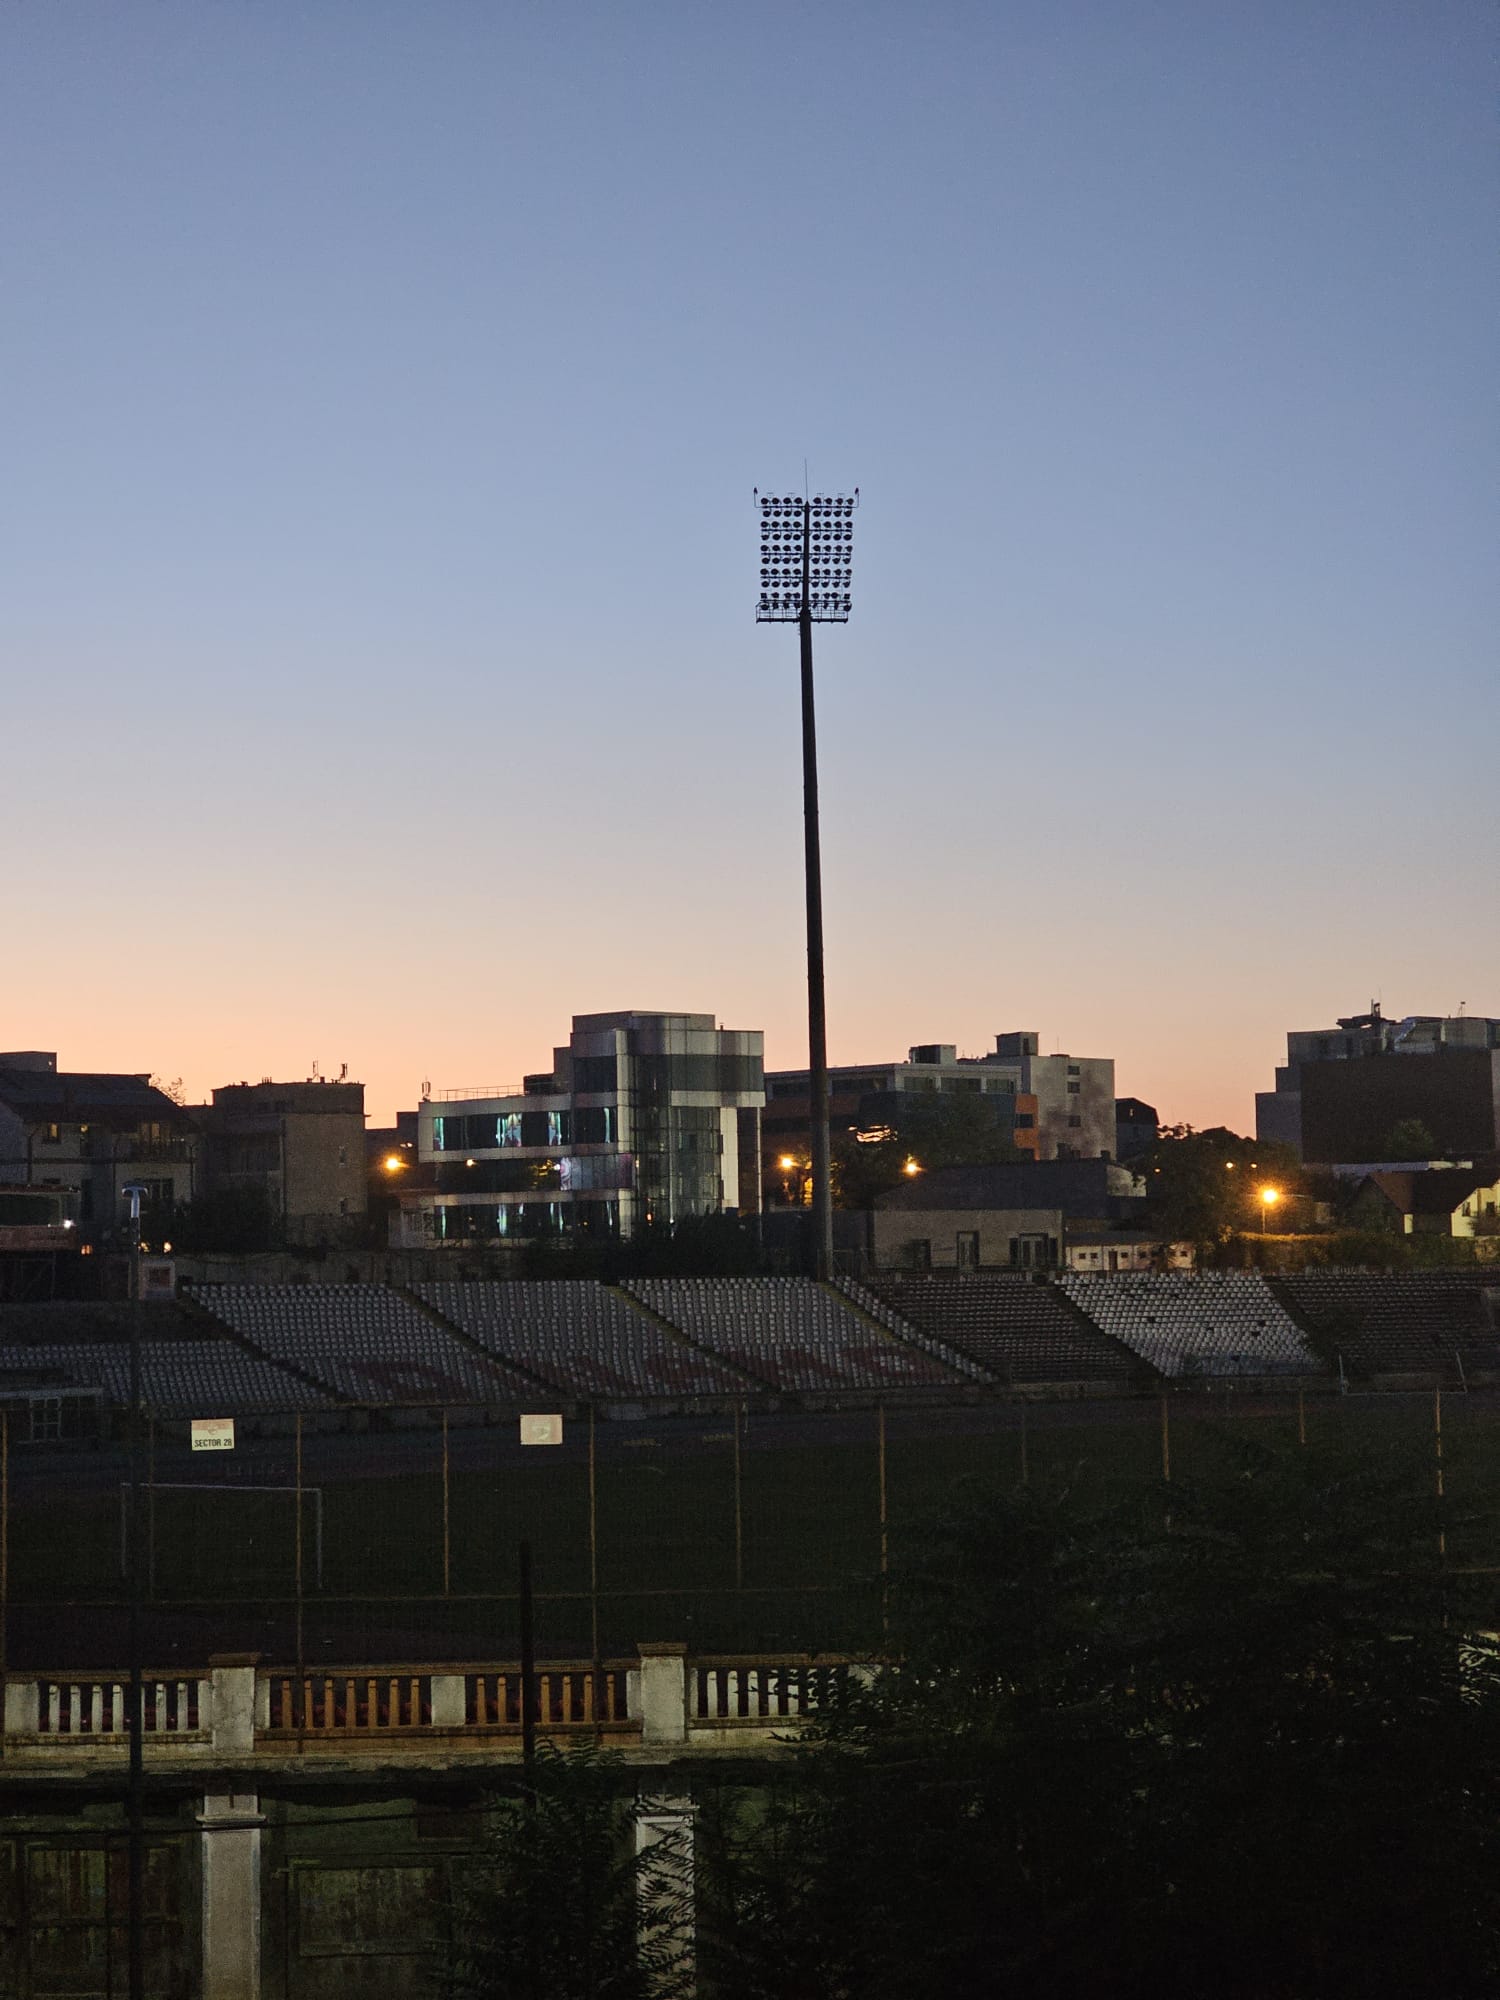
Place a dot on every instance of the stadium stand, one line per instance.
(791, 1334)
(873, 1306)
(1205, 1322)
(179, 1378)
(185, 1369)
(579, 1335)
(365, 1343)
(1017, 1330)
(1406, 1322)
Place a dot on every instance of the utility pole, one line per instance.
(805, 553)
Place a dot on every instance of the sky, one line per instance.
(382, 391)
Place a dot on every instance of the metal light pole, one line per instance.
(134, 1716)
(805, 550)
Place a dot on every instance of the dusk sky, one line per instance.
(384, 387)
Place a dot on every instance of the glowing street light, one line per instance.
(1269, 1196)
(912, 1167)
(393, 1163)
(806, 546)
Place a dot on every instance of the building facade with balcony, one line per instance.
(91, 1134)
(643, 1118)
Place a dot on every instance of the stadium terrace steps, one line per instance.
(1401, 1322)
(873, 1307)
(798, 1335)
(1017, 1330)
(580, 1337)
(1196, 1323)
(365, 1343)
(188, 1368)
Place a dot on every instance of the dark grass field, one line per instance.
(666, 1530)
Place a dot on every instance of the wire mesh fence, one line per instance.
(745, 1529)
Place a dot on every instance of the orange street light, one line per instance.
(911, 1167)
(393, 1163)
(1269, 1197)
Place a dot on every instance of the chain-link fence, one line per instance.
(741, 1530)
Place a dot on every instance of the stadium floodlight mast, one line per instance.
(805, 550)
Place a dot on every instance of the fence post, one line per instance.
(231, 1717)
(449, 1701)
(229, 1833)
(664, 1717)
(664, 1891)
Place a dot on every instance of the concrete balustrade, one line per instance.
(244, 1713)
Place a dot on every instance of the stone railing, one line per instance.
(244, 1711)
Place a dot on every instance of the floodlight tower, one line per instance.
(805, 550)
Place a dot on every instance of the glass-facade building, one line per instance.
(643, 1117)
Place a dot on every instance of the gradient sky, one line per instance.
(384, 386)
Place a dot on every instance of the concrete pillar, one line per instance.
(665, 1908)
(231, 1701)
(23, 1708)
(663, 1691)
(231, 1824)
(450, 1708)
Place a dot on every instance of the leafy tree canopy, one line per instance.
(1202, 1186)
(1237, 1736)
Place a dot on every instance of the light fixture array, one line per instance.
(827, 524)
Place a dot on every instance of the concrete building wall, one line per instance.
(1350, 1107)
(948, 1239)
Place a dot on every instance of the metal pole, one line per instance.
(446, 1543)
(739, 1514)
(301, 1703)
(1166, 1445)
(134, 1707)
(528, 1677)
(884, 1525)
(817, 1026)
(594, 1659)
(1301, 1415)
(4, 1560)
(1025, 1455)
(1437, 1439)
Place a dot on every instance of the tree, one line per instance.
(938, 1130)
(559, 1906)
(1202, 1186)
(1410, 1139)
(1239, 1736)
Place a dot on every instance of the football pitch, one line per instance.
(741, 1533)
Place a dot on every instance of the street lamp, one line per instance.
(1269, 1197)
(805, 551)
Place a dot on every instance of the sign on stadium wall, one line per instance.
(213, 1433)
(541, 1430)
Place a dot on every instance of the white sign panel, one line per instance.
(213, 1434)
(541, 1430)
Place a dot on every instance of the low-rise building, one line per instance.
(300, 1146)
(1007, 1216)
(91, 1134)
(643, 1118)
(1441, 1201)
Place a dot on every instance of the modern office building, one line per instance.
(1057, 1107)
(643, 1117)
(1365, 1090)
